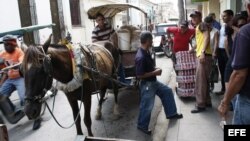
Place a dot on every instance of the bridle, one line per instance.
(38, 98)
(48, 69)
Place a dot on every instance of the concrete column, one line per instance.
(239, 6)
(214, 7)
(242, 5)
(199, 7)
(205, 10)
(28, 17)
(233, 5)
(59, 31)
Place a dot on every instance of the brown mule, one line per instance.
(42, 64)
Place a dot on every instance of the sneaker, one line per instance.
(198, 110)
(176, 116)
(209, 105)
(211, 87)
(146, 131)
(220, 93)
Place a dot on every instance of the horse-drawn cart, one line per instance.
(128, 36)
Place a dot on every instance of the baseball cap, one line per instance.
(9, 38)
(184, 24)
(195, 13)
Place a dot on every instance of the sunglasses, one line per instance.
(8, 44)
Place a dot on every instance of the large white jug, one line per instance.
(124, 39)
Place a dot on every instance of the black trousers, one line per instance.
(222, 61)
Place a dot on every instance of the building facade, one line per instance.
(73, 16)
(215, 6)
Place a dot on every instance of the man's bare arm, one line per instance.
(149, 74)
(237, 80)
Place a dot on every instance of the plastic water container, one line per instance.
(135, 39)
(124, 39)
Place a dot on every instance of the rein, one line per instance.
(104, 75)
(78, 114)
(94, 71)
(41, 99)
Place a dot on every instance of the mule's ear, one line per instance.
(47, 43)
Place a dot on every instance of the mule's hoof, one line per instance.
(80, 133)
(37, 124)
(98, 117)
(105, 98)
(91, 135)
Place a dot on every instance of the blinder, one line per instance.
(48, 69)
(20, 69)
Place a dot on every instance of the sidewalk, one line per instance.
(197, 127)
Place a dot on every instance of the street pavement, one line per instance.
(200, 126)
(193, 127)
(109, 126)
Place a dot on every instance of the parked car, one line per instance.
(160, 29)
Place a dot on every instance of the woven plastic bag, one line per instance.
(214, 74)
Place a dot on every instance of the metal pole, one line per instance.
(127, 13)
(185, 7)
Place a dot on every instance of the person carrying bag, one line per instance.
(214, 74)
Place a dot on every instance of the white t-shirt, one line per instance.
(222, 36)
(212, 33)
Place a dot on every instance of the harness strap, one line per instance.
(77, 63)
(70, 48)
(87, 51)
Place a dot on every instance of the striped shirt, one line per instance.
(102, 34)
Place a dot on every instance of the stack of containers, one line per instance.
(185, 68)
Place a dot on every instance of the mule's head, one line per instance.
(37, 71)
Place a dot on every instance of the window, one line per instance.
(75, 12)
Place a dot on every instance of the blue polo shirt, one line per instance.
(144, 63)
(216, 25)
(241, 52)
